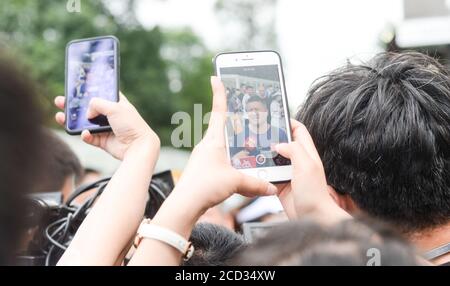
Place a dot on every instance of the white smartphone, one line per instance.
(258, 114)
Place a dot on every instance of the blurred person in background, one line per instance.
(262, 91)
(62, 170)
(248, 92)
(90, 176)
(21, 151)
(277, 112)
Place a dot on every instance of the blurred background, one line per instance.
(167, 47)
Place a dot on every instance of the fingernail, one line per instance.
(272, 190)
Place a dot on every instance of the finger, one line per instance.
(251, 186)
(98, 106)
(295, 127)
(60, 101)
(216, 127)
(60, 118)
(89, 138)
(295, 152)
(307, 142)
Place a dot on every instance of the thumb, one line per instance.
(250, 186)
(216, 127)
(99, 106)
(285, 149)
(295, 152)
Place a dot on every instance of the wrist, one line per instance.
(179, 213)
(146, 145)
(194, 194)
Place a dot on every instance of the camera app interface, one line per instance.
(256, 120)
(91, 73)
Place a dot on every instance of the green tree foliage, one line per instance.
(190, 64)
(255, 20)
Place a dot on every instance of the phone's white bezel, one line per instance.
(271, 174)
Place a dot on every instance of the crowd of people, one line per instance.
(371, 171)
(256, 122)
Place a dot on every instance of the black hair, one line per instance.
(214, 245)
(308, 243)
(60, 163)
(20, 151)
(382, 130)
(257, 98)
(88, 170)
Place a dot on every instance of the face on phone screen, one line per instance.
(256, 116)
(91, 72)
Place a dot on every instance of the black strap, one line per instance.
(436, 252)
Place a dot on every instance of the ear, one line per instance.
(344, 201)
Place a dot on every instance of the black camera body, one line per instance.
(51, 224)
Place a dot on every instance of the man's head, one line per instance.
(243, 88)
(61, 170)
(214, 245)
(382, 130)
(20, 151)
(256, 109)
(250, 90)
(261, 91)
(309, 243)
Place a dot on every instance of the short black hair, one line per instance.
(348, 243)
(20, 150)
(60, 163)
(214, 245)
(257, 98)
(382, 130)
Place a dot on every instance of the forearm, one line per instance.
(116, 215)
(179, 213)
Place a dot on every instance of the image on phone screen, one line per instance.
(91, 72)
(256, 119)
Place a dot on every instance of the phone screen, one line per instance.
(91, 72)
(256, 119)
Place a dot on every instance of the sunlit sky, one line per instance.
(314, 36)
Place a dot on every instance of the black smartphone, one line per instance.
(92, 70)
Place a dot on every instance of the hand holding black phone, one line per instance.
(92, 70)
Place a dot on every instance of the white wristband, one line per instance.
(151, 231)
